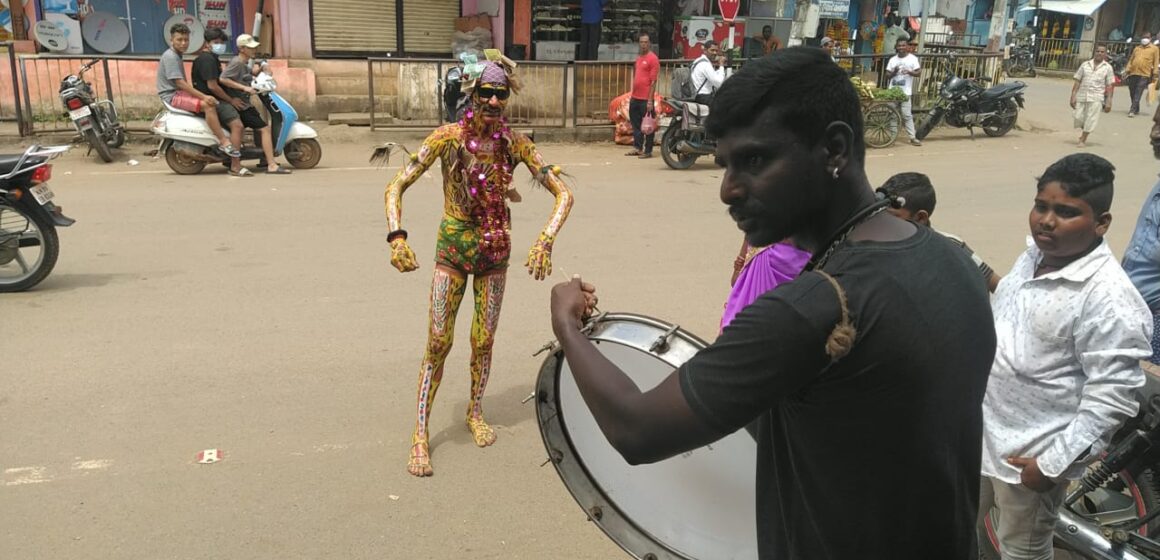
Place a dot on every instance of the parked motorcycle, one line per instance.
(685, 139)
(965, 103)
(1113, 513)
(95, 120)
(29, 245)
(1020, 62)
(454, 100)
(189, 145)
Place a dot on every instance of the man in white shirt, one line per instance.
(1071, 331)
(902, 69)
(1092, 92)
(707, 73)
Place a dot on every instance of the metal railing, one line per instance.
(1066, 55)
(407, 92)
(127, 81)
(971, 40)
(11, 109)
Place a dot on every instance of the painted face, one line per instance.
(1064, 227)
(775, 183)
(179, 42)
(490, 101)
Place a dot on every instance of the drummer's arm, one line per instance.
(757, 361)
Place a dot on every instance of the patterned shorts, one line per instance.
(457, 246)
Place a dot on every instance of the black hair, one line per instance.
(803, 84)
(769, 27)
(215, 34)
(901, 40)
(707, 44)
(644, 33)
(178, 29)
(1087, 177)
(914, 188)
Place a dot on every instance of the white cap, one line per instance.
(247, 41)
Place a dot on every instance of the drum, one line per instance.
(698, 505)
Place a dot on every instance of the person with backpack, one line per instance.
(707, 73)
(644, 80)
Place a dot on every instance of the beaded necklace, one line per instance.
(489, 208)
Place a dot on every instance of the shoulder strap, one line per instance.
(692, 68)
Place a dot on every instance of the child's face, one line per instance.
(1064, 227)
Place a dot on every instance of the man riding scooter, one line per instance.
(236, 79)
(207, 69)
(176, 92)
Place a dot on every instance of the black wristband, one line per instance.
(399, 232)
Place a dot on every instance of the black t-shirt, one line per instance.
(206, 67)
(877, 455)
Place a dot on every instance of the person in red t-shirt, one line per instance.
(644, 79)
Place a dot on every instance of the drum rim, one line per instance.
(577, 479)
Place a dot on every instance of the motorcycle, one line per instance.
(95, 120)
(29, 245)
(964, 103)
(1021, 61)
(189, 145)
(685, 139)
(454, 100)
(1113, 512)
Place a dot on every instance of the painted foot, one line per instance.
(420, 462)
(481, 432)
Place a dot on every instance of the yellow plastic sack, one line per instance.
(1152, 93)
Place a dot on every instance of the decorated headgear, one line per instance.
(495, 69)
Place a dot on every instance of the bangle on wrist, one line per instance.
(397, 233)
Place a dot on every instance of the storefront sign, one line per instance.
(729, 9)
(834, 9)
(214, 13)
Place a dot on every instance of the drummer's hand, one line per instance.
(572, 302)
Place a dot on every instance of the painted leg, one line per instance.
(447, 289)
(488, 299)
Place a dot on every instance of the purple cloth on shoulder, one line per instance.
(777, 264)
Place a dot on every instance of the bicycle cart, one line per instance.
(881, 121)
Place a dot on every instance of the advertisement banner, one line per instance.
(214, 14)
(834, 9)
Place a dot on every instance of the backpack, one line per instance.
(682, 86)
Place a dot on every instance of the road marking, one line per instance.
(25, 475)
(92, 465)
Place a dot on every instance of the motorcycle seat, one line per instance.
(171, 109)
(1003, 89)
(8, 162)
(695, 109)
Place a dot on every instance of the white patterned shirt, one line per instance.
(1094, 81)
(1066, 369)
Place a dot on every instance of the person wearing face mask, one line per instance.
(207, 70)
(1142, 70)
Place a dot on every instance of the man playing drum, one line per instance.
(865, 375)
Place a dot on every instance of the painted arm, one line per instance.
(540, 256)
(417, 164)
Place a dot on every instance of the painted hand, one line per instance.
(540, 258)
(402, 257)
(1031, 476)
(572, 303)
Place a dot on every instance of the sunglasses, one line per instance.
(487, 92)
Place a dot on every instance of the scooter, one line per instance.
(95, 120)
(189, 145)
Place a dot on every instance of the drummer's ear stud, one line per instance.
(835, 173)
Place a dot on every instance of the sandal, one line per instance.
(279, 171)
(633, 153)
(229, 150)
(242, 172)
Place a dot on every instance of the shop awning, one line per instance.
(1077, 7)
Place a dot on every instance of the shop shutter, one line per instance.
(428, 26)
(358, 26)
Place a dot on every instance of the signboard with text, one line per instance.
(214, 13)
(834, 9)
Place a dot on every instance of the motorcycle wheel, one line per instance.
(669, 142)
(1131, 498)
(181, 164)
(304, 153)
(118, 138)
(1003, 125)
(102, 148)
(19, 232)
(932, 119)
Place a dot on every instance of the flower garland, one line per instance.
(489, 196)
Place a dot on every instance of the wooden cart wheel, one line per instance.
(881, 124)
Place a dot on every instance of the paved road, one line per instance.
(260, 316)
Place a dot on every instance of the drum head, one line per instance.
(697, 505)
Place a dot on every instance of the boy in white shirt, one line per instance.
(1071, 331)
(902, 69)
